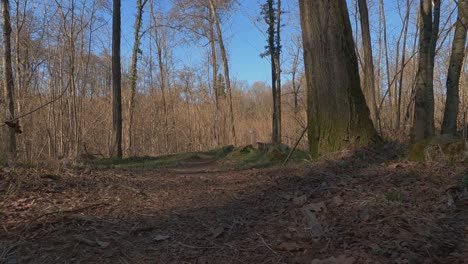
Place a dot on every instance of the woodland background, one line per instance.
(61, 53)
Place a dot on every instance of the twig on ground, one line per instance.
(266, 245)
(195, 247)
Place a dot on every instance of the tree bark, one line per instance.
(214, 60)
(369, 79)
(402, 64)
(278, 72)
(160, 41)
(387, 60)
(423, 123)
(214, 63)
(449, 125)
(272, 18)
(116, 82)
(8, 81)
(225, 66)
(338, 116)
(133, 72)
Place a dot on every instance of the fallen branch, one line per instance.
(195, 247)
(13, 123)
(295, 146)
(75, 210)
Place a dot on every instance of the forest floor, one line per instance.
(361, 206)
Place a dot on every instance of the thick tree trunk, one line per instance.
(369, 79)
(133, 73)
(116, 82)
(449, 125)
(423, 123)
(338, 116)
(225, 66)
(8, 82)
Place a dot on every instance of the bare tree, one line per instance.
(272, 15)
(369, 79)
(296, 78)
(116, 81)
(227, 78)
(159, 38)
(423, 123)
(398, 95)
(387, 60)
(338, 116)
(8, 82)
(449, 125)
(133, 71)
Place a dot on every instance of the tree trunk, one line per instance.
(133, 72)
(160, 41)
(338, 116)
(273, 20)
(387, 60)
(423, 123)
(369, 80)
(225, 66)
(278, 73)
(271, 47)
(116, 82)
(449, 125)
(8, 82)
(402, 64)
(214, 63)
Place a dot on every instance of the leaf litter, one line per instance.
(357, 207)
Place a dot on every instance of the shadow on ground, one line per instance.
(371, 209)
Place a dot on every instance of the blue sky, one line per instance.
(245, 41)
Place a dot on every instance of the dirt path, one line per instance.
(368, 212)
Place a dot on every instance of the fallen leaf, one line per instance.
(364, 214)
(86, 241)
(217, 232)
(286, 197)
(316, 207)
(102, 244)
(108, 253)
(202, 260)
(313, 223)
(289, 246)
(337, 201)
(341, 259)
(159, 238)
(301, 200)
(395, 166)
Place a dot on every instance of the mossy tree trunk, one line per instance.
(8, 82)
(272, 17)
(423, 123)
(338, 116)
(449, 125)
(369, 79)
(133, 73)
